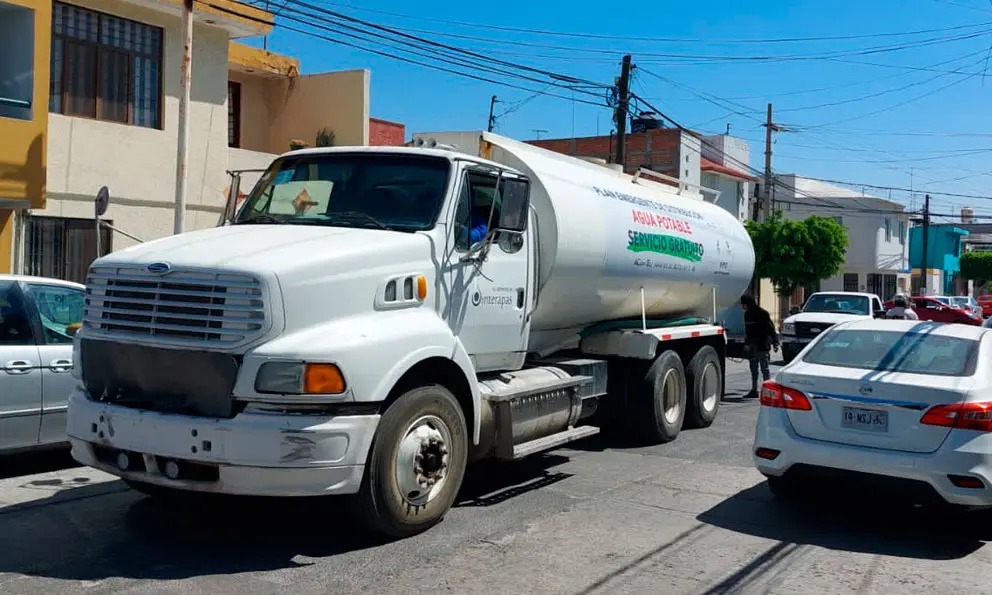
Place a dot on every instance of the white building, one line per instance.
(722, 168)
(877, 231)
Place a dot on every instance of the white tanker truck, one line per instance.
(372, 319)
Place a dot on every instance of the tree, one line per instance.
(795, 253)
(977, 266)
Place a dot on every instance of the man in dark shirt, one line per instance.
(760, 337)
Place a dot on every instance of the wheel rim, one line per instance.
(710, 386)
(422, 460)
(670, 396)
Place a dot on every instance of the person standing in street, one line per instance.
(900, 309)
(760, 337)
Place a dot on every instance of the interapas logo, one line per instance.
(639, 241)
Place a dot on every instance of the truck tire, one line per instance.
(659, 405)
(416, 463)
(704, 388)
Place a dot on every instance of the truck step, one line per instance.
(554, 440)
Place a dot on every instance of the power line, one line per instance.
(678, 40)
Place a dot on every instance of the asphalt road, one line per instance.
(687, 517)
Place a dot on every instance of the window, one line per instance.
(888, 229)
(472, 213)
(367, 190)
(16, 61)
(62, 248)
(836, 303)
(58, 308)
(850, 281)
(902, 232)
(891, 351)
(105, 67)
(15, 325)
(233, 114)
(838, 219)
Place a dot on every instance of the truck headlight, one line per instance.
(299, 378)
(789, 328)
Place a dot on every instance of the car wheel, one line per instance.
(783, 488)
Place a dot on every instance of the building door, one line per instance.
(62, 248)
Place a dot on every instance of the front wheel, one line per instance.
(416, 464)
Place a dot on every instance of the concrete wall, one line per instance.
(733, 194)
(338, 101)
(138, 164)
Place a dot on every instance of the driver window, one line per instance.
(15, 323)
(473, 211)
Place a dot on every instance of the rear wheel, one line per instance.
(704, 382)
(416, 463)
(659, 405)
(783, 488)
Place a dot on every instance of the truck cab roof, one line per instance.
(450, 154)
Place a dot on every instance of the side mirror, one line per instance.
(879, 314)
(72, 329)
(515, 194)
(794, 310)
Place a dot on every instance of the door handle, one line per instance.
(17, 367)
(60, 365)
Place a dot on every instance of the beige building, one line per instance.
(112, 121)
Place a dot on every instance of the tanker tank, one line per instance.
(602, 236)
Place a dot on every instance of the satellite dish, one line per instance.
(102, 201)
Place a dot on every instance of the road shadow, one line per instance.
(836, 520)
(32, 463)
(100, 531)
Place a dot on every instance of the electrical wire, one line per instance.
(678, 40)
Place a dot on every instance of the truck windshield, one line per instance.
(372, 190)
(838, 304)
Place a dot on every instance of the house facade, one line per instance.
(877, 229)
(104, 112)
(945, 244)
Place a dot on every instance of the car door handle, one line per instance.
(60, 365)
(18, 366)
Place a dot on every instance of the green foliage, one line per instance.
(795, 253)
(976, 266)
(325, 138)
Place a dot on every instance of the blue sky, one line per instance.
(918, 115)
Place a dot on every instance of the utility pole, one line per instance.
(767, 199)
(182, 154)
(492, 114)
(926, 238)
(620, 112)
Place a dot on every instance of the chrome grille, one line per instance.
(184, 307)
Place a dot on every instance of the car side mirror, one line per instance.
(72, 329)
(515, 203)
(879, 314)
(794, 310)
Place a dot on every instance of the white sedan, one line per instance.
(893, 405)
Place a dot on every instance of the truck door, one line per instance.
(489, 271)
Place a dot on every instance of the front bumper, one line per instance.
(258, 454)
(962, 453)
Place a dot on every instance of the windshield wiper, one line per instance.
(261, 218)
(358, 216)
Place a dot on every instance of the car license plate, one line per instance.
(872, 420)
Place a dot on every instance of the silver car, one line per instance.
(966, 303)
(38, 318)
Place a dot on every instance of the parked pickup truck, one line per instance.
(823, 310)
